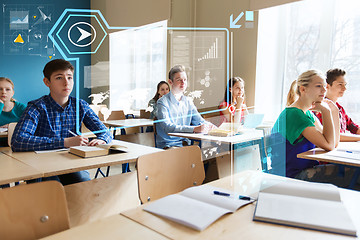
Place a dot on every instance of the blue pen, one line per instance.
(244, 198)
(349, 151)
(221, 193)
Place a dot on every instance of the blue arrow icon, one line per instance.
(233, 23)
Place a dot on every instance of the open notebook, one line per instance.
(315, 206)
(196, 207)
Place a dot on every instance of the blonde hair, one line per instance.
(303, 80)
(9, 81)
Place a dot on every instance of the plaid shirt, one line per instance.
(345, 121)
(45, 124)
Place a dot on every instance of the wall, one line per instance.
(26, 70)
(188, 13)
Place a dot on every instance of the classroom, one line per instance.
(179, 119)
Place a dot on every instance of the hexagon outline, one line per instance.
(79, 15)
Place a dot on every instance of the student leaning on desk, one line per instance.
(299, 130)
(177, 112)
(336, 87)
(47, 122)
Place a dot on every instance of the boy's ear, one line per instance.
(46, 81)
(328, 86)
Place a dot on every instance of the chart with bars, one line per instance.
(25, 29)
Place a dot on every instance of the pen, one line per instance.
(244, 198)
(72, 133)
(349, 151)
(221, 193)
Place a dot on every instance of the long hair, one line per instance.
(157, 95)
(303, 80)
(231, 83)
(9, 81)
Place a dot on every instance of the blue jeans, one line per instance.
(66, 179)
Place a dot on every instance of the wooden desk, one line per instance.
(57, 163)
(131, 122)
(319, 155)
(226, 161)
(114, 227)
(240, 225)
(12, 170)
(3, 134)
(248, 135)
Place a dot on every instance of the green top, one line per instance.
(12, 116)
(292, 122)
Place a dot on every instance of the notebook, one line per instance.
(253, 120)
(197, 207)
(302, 204)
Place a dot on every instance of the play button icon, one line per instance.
(82, 33)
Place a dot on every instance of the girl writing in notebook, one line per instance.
(162, 89)
(10, 110)
(302, 131)
(233, 107)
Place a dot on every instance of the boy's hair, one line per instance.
(175, 69)
(333, 74)
(56, 65)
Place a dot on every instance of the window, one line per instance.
(312, 34)
(137, 64)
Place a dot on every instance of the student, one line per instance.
(177, 112)
(235, 109)
(162, 89)
(336, 87)
(10, 110)
(47, 122)
(302, 131)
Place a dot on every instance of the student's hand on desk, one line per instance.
(95, 142)
(76, 141)
(199, 129)
(4, 126)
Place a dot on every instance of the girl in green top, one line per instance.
(300, 130)
(10, 110)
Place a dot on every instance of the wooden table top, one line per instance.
(56, 163)
(246, 136)
(320, 155)
(3, 134)
(114, 227)
(240, 225)
(12, 170)
(131, 122)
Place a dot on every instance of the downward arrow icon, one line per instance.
(233, 23)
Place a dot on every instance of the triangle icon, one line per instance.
(50, 57)
(84, 34)
(19, 39)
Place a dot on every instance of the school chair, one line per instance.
(168, 172)
(11, 129)
(99, 198)
(33, 211)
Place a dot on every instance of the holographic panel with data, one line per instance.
(25, 29)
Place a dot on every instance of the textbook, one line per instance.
(226, 129)
(197, 207)
(98, 150)
(309, 205)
